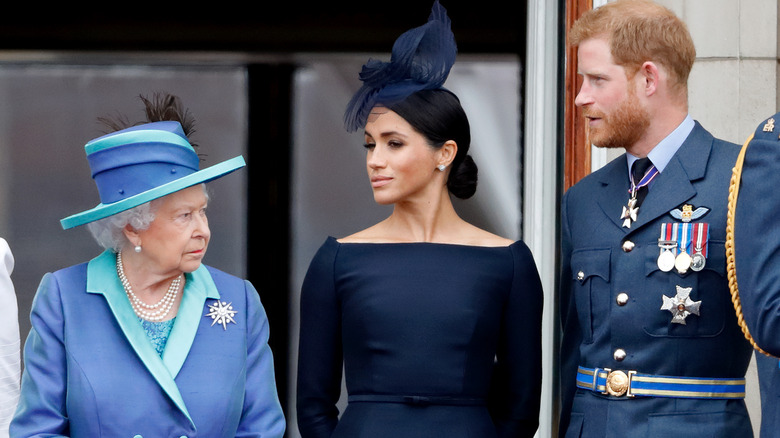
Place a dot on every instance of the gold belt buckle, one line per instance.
(619, 383)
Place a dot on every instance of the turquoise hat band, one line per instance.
(134, 137)
(105, 210)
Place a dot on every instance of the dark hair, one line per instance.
(439, 117)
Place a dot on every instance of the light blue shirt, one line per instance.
(665, 150)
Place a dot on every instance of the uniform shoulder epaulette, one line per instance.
(768, 131)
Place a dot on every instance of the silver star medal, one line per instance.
(629, 212)
(222, 313)
(681, 305)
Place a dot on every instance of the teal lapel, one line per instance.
(198, 287)
(102, 279)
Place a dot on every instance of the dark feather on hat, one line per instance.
(160, 107)
(164, 107)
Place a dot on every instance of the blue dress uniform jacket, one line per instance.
(90, 371)
(757, 260)
(601, 260)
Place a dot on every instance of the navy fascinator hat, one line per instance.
(421, 60)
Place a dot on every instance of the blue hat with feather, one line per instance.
(421, 60)
(142, 163)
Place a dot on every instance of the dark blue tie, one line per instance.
(638, 170)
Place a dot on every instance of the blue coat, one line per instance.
(90, 371)
(757, 260)
(601, 259)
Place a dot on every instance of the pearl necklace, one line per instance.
(151, 312)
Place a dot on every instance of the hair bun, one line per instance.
(462, 182)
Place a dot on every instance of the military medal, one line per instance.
(691, 238)
(697, 262)
(630, 210)
(683, 260)
(700, 238)
(681, 305)
(666, 257)
(667, 243)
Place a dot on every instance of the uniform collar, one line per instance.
(670, 189)
(663, 152)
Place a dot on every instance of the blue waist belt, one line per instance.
(632, 384)
(416, 400)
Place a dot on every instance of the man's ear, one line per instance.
(650, 75)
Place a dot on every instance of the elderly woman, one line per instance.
(144, 340)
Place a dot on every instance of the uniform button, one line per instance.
(622, 299)
(628, 246)
(619, 354)
(138, 436)
(580, 276)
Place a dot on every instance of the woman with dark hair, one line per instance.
(437, 323)
(438, 116)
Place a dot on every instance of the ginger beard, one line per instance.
(622, 127)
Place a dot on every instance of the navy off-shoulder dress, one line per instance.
(436, 340)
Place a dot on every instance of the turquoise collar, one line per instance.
(102, 279)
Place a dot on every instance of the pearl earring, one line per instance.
(441, 167)
(137, 248)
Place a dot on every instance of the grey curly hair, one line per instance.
(109, 232)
